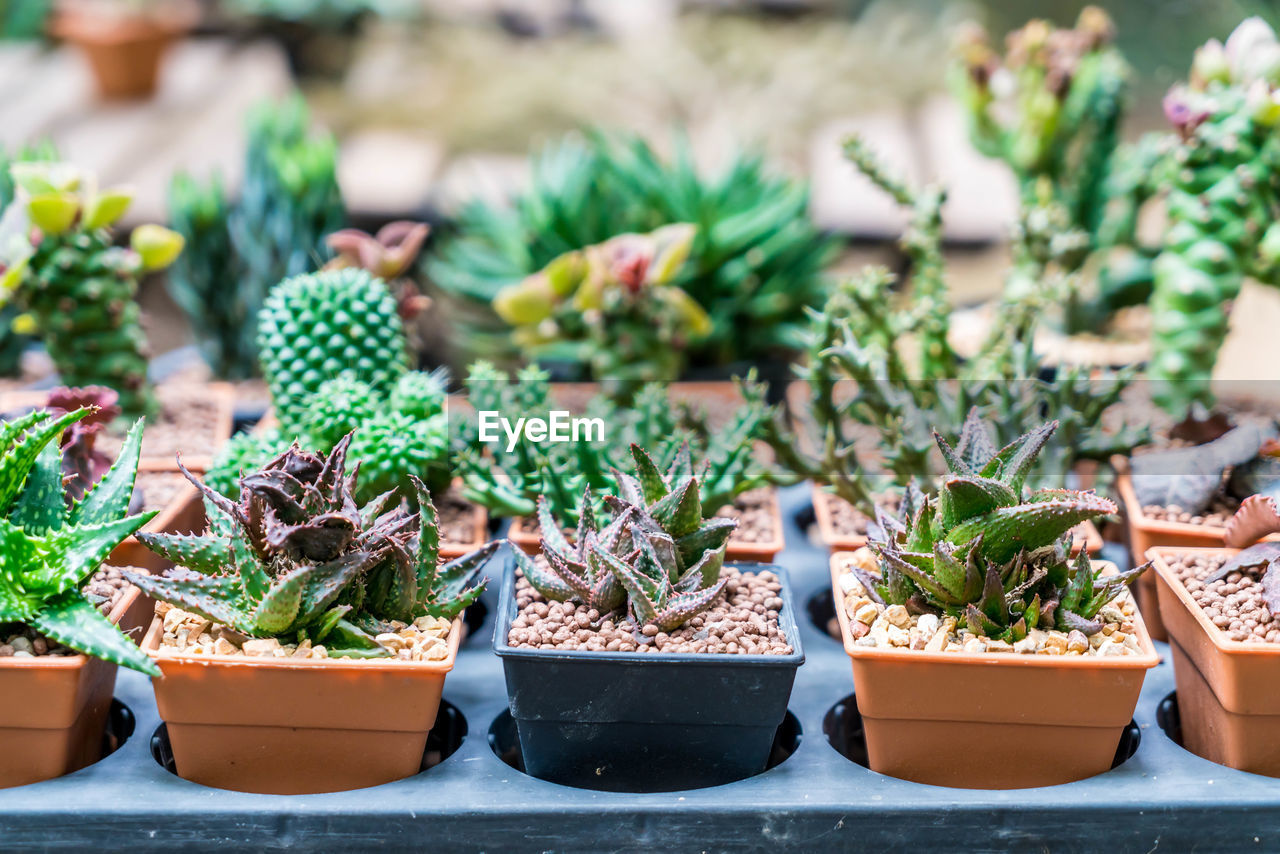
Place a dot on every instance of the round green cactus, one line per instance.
(319, 326)
(419, 394)
(391, 446)
(339, 406)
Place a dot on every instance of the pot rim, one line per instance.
(1140, 520)
(1158, 555)
(72, 662)
(787, 624)
(151, 645)
(1147, 659)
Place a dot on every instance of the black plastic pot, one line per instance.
(645, 722)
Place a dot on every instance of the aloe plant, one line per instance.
(52, 545)
(657, 555)
(295, 556)
(992, 552)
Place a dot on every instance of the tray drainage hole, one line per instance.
(842, 726)
(505, 743)
(821, 608)
(120, 725)
(442, 742)
(1169, 718)
(473, 620)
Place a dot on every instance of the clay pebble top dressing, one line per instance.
(848, 520)
(753, 510)
(743, 621)
(188, 634)
(1235, 604)
(893, 627)
(106, 587)
(1216, 516)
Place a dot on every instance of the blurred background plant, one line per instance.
(238, 249)
(755, 263)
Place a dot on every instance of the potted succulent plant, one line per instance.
(1220, 608)
(509, 479)
(1185, 493)
(973, 596)
(59, 641)
(124, 40)
(295, 607)
(328, 379)
(877, 380)
(636, 659)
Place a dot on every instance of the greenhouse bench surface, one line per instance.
(1160, 798)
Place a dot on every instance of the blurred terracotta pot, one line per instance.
(124, 49)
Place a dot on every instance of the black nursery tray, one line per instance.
(1158, 798)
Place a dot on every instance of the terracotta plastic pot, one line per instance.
(1227, 702)
(528, 537)
(124, 51)
(297, 726)
(1146, 533)
(54, 721)
(1086, 534)
(992, 720)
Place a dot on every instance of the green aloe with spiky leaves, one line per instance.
(51, 546)
(295, 556)
(991, 552)
(657, 555)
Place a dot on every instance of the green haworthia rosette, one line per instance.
(50, 546)
(657, 555)
(991, 552)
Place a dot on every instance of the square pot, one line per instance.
(55, 721)
(529, 538)
(992, 720)
(635, 721)
(297, 726)
(1146, 533)
(1227, 702)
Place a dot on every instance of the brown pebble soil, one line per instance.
(1219, 512)
(1234, 604)
(105, 588)
(754, 511)
(743, 621)
(848, 520)
(456, 516)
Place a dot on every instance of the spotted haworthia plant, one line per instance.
(990, 552)
(657, 556)
(295, 556)
(50, 546)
